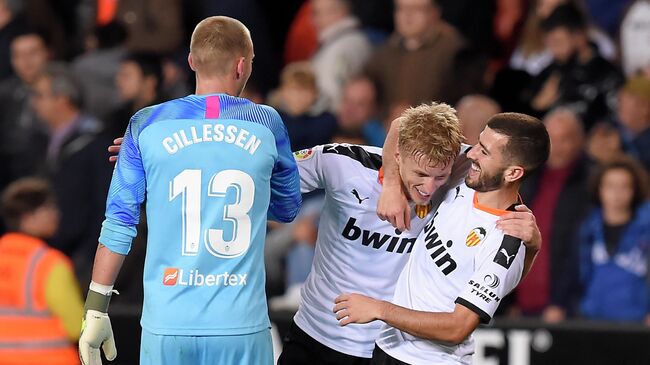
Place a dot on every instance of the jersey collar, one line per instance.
(494, 211)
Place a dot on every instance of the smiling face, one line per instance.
(488, 163)
(419, 178)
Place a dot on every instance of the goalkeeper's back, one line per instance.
(211, 167)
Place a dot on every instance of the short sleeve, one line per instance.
(498, 272)
(310, 166)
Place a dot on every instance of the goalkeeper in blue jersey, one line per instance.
(213, 167)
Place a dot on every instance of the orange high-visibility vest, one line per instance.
(29, 333)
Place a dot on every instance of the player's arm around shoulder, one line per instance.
(393, 205)
(522, 224)
(452, 327)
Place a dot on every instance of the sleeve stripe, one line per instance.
(367, 159)
(485, 318)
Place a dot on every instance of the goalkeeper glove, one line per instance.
(96, 327)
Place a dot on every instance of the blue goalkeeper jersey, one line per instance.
(211, 169)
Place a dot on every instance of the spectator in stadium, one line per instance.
(40, 301)
(630, 132)
(295, 100)
(462, 264)
(416, 64)
(604, 143)
(343, 49)
(614, 245)
(474, 111)
(97, 66)
(175, 77)
(248, 155)
(578, 77)
(358, 111)
(532, 56)
(57, 22)
(558, 196)
(139, 83)
(153, 26)
(635, 36)
(23, 136)
(11, 24)
(354, 250)
(75, 165)
(634, 118)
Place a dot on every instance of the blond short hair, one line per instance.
(300, 74)
(216, 42)
(430, 131)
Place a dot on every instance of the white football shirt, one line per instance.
(355, 250)
(459, 257)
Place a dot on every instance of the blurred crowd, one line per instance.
(73, 72)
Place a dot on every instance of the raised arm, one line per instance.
(393, 205)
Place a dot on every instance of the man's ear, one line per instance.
(513, 173)
(190, 62)
(241, 67)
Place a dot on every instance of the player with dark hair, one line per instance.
(355, 251)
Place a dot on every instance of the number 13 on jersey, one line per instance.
(187, 184)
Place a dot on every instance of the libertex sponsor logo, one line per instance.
(174, 276)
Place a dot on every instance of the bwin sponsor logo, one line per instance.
(440, 256)
(377, 240)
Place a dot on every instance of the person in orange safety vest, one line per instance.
(40, 299)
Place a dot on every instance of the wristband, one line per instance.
(99, 296)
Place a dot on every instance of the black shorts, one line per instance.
(379, 357)
(299, 348)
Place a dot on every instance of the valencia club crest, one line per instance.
(475, 236)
